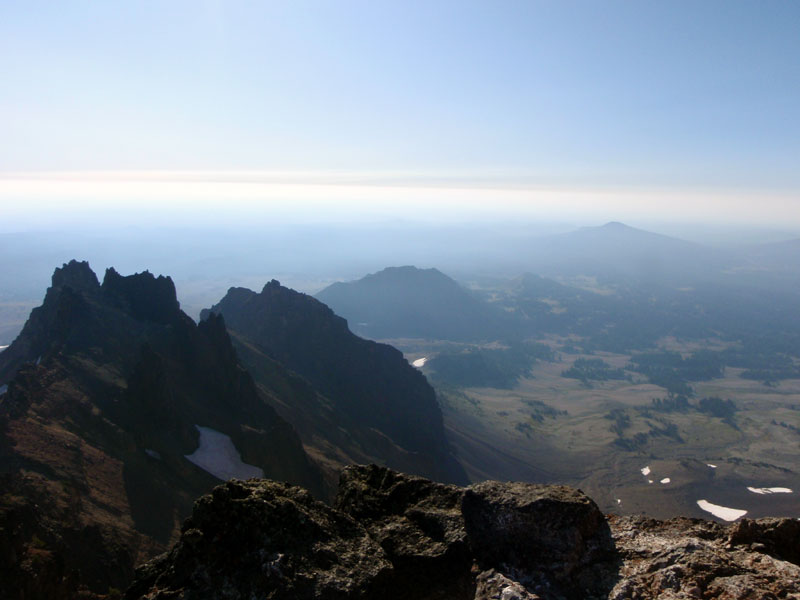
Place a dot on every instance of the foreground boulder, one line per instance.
(398, 537)
(553, 536)
(418, 524)
(252, 539)
(389, 536)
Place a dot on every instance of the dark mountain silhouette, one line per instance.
(413, 303)
(102, 393)
(373, 405)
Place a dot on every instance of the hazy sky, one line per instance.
(575, 109)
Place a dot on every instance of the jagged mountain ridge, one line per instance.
(105, 385)
(379, 407)
(399, 537)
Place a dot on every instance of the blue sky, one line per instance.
(694, 97)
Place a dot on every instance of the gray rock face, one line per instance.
(779, 538)
(492, 585)
(691, 558)
(549, 533)
(392, 536)
(418, 524)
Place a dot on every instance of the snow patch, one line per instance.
(710, 465)
(3, 348)
(723, 512)
(619, 500)
(649, 481)
(666, 480)
(3, 389)
(39, 360)
(772, 490)
(152, 453)
(218, 456)
(645, 471)
(420, 362)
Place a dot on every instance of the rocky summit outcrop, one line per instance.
(392, 536)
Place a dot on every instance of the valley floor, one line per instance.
(603, 437)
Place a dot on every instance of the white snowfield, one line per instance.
(3, 348)
(218, 456)
(3, 389)
(666, 480)
(645, 471)
(723, 512)
(710, 465)
(420, 362)
(772, 490)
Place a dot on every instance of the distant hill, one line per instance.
(618, 252)
(109, 399)
(407, 302)
(373, 404)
